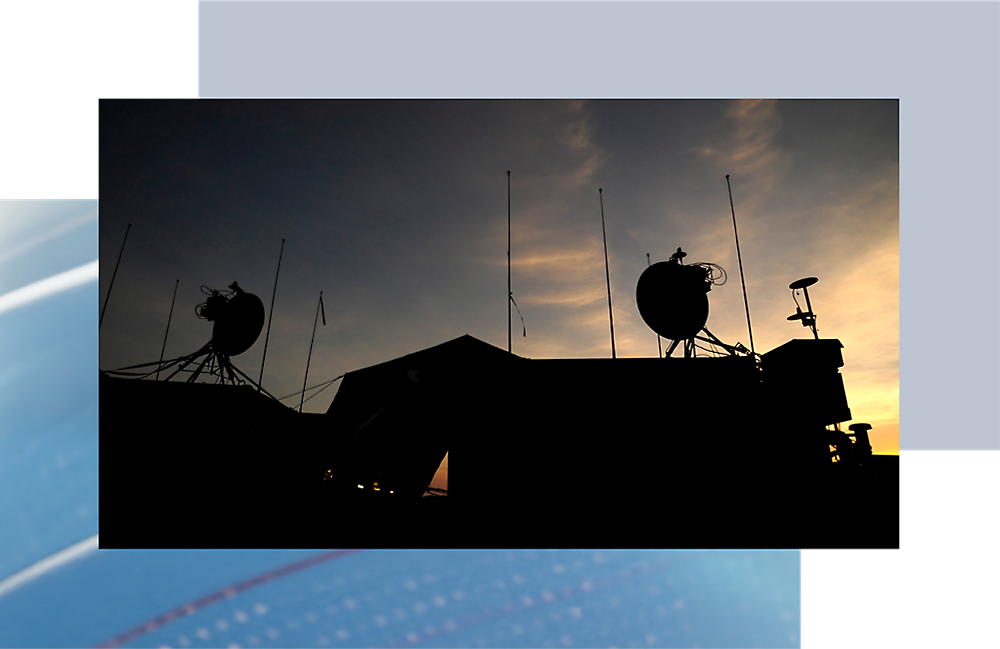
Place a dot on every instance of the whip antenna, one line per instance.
(510, 295)
(740, 259)
(266, 337)
(659, 345)
(168, 329)
(607, 273)
(319, 307)
(101, 319)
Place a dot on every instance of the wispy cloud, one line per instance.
(748, 150)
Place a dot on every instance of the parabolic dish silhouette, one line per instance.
(802, 283)
(673, 299)
(238, 325)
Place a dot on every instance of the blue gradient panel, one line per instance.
(48, 386)
(412, 598)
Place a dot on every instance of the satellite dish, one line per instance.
(802, 283)
(238, 324)
(673, 299)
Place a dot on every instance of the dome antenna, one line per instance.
(807, 317)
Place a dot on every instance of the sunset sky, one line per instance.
(397, 211)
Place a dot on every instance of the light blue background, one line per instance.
(942, 60)
(48, 384)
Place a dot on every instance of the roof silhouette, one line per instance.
(542, 453)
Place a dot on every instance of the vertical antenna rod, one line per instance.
(318, 307)
(510, 295)
(809, 307)
(101, 319)
(607, 273)
(659, 345)
(262, 360)
(740, 258)
(168, 329)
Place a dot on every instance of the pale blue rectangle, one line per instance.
(942, 60)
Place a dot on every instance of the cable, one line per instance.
(716, 273)
(324, 387)
(211, 292)
(711, 351)
(326, 384)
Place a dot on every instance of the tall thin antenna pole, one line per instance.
(740, 258)
(101, 319)
(607, 273)
(260, 381)
(510, 295)
(659, 345)
(168, 329)
(303, 400)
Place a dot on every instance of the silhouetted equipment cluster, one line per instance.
(798, 391)
(624, 452)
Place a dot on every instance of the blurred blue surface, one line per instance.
(48, 383)
(419, 598)
(486, 598)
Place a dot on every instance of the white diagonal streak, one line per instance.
(56, 560)
(49, 286)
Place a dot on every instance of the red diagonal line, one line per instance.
(198, 604)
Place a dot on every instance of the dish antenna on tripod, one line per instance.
(238, 318)
(807, 317)
(673, 301)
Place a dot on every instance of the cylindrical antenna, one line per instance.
(510, 295)
(101, 319)
(607, 273)
(809, 306)
(311, 350)
(659, 345)
(168, 329)
(260, 381)
(740, 259)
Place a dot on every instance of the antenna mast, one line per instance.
(168, 329)
(607, 273)
(659, 345)
(101, 319)
(260, 381)
(740, 259)
(318, 307)
(510, 295)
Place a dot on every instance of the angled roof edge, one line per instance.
(466, 340)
